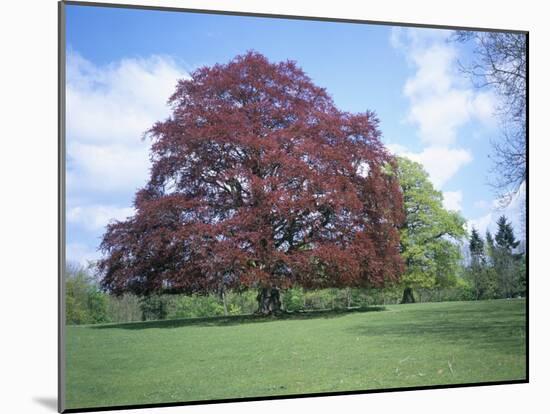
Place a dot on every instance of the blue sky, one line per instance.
(122, 65)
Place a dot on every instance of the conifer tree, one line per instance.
(479, 272)
(476, 247)
(505, 261)
(489, 245)
(505, 238)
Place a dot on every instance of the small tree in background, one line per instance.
(428, 234)
(489, 246)
(506, 261)
(505, 238)
(258, 181)
(479, 272)
(478, 264)
(477, 252)
(153, 307)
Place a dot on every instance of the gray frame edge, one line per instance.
(61, 207)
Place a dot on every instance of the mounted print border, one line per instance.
(292, 209)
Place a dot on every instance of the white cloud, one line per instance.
(441, 163)
(396, 149)
(483, 204)
(81, 254)
(433, 76)
(514, 212)
(109, 108)
(96, 217)
(363, 169)
(118, 101)
(452, 200)
(483, 108)
(441, 100)
(107, 167)
(403, 38)
(481, 224)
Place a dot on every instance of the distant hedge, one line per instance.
(87, 304)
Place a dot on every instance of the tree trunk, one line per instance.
(224, 300)
(408, 296)
(269, 302)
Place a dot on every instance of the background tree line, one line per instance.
(131, 308)
(497, 266)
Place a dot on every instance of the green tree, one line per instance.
(429, 234)
(505, 238)
(153, 307)
(521, 286)
(84, 302)
(489, 246)
(480, 274)
(477, 251)
(506, 262)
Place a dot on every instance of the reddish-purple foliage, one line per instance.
(258, 180)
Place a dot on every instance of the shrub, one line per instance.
(245, 300)
(197, 306)
(293, 299)
(84, 302)
(235, 309)
(153, 307)
(125, 308)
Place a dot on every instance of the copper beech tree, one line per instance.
(258, 181)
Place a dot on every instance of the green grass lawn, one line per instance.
(401, 346)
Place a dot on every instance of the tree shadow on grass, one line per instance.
(503, 331)
(238, 320)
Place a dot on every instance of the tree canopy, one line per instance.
(259, 181)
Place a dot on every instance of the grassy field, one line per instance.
(400, 346)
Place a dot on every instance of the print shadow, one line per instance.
(48, 402)
(237, 320)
